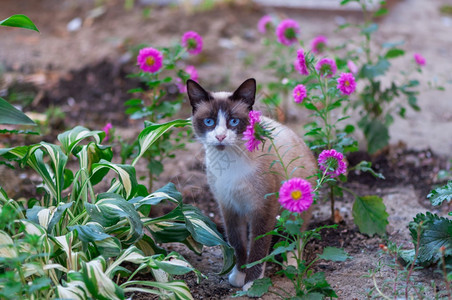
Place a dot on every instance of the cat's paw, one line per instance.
(247, 286)
(237, 278)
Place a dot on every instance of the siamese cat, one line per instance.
(243, 182)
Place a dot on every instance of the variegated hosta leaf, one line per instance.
(174, 264)
(55, 266)
(70, 139)
(98, 283)
(204, 231)
(167, 192)
(179, 288)
(32, 268)
(65, 243)
(112, 208)
(20, 153)
(153, 132)
(91, 154)
(47, 217)
(131, 254)
(126, 173)
(92, 232)
(74, 288)
(7, 248)
(33, 228)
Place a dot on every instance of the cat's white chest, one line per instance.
(229, 174)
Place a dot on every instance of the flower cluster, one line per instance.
(150, 60)
(326, 67)
(300, 63)
(299, 93)
(264, 24)
(192, 41)
(107, 129)
(332, 162)
(251, 134)
(346, 83)
(287, 32)
(295, 195)
(319, 44)
(419, 59)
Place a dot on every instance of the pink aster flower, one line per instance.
(299, 93)
(250, 135)
(346, 83)
(300, 64)
(287, 32)
(295, 195)
(326, 67)
(150, 60)
(319, 44)
(420, 60)
(192, 41)
(264, 24)
(332, 162)
(352, 67)
(191, 70)
(107, 129)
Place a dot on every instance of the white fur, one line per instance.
(237, 278)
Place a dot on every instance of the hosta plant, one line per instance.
(92, 215)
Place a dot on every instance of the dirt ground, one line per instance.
(83, 72)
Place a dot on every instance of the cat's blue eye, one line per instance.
(209, 122)
(234, 122)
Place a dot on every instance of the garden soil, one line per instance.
(84, 72)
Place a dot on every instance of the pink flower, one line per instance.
(193, 42)
(319, 44)
(326, 67)
(346, 83)
(300, 64)
(191, 70)
(299, 93)
(264, 24)
(352, 67)
(420, 60)
(249, 135)
(287, 32)
(295, 195)
(107, 129)
(150, 60)
(332, 162)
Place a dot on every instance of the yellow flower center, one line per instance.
(347, 83)
(150, 61)
(298, 93)
(296, 195)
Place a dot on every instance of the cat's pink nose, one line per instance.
(220, 137)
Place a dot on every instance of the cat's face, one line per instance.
(219, 119)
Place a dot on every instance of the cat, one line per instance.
(240, 180)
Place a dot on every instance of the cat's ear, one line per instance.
(196, 94)
(246, 92)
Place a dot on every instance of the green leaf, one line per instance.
(126, 173)
(317, 283)
(372, 71)
(377, 135)
(258, 289)
(435, 232)
(178, 287)
(47, 217)
(394, 52)
(381, 12)
(369, 213)
(366, 166)
(110, 209)
(334, 254)
(21, 21)
(153, 132)
(70, 139)
(204, 231)
(11, 115)
(99, 285)
(370, 29)
(441, 194)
